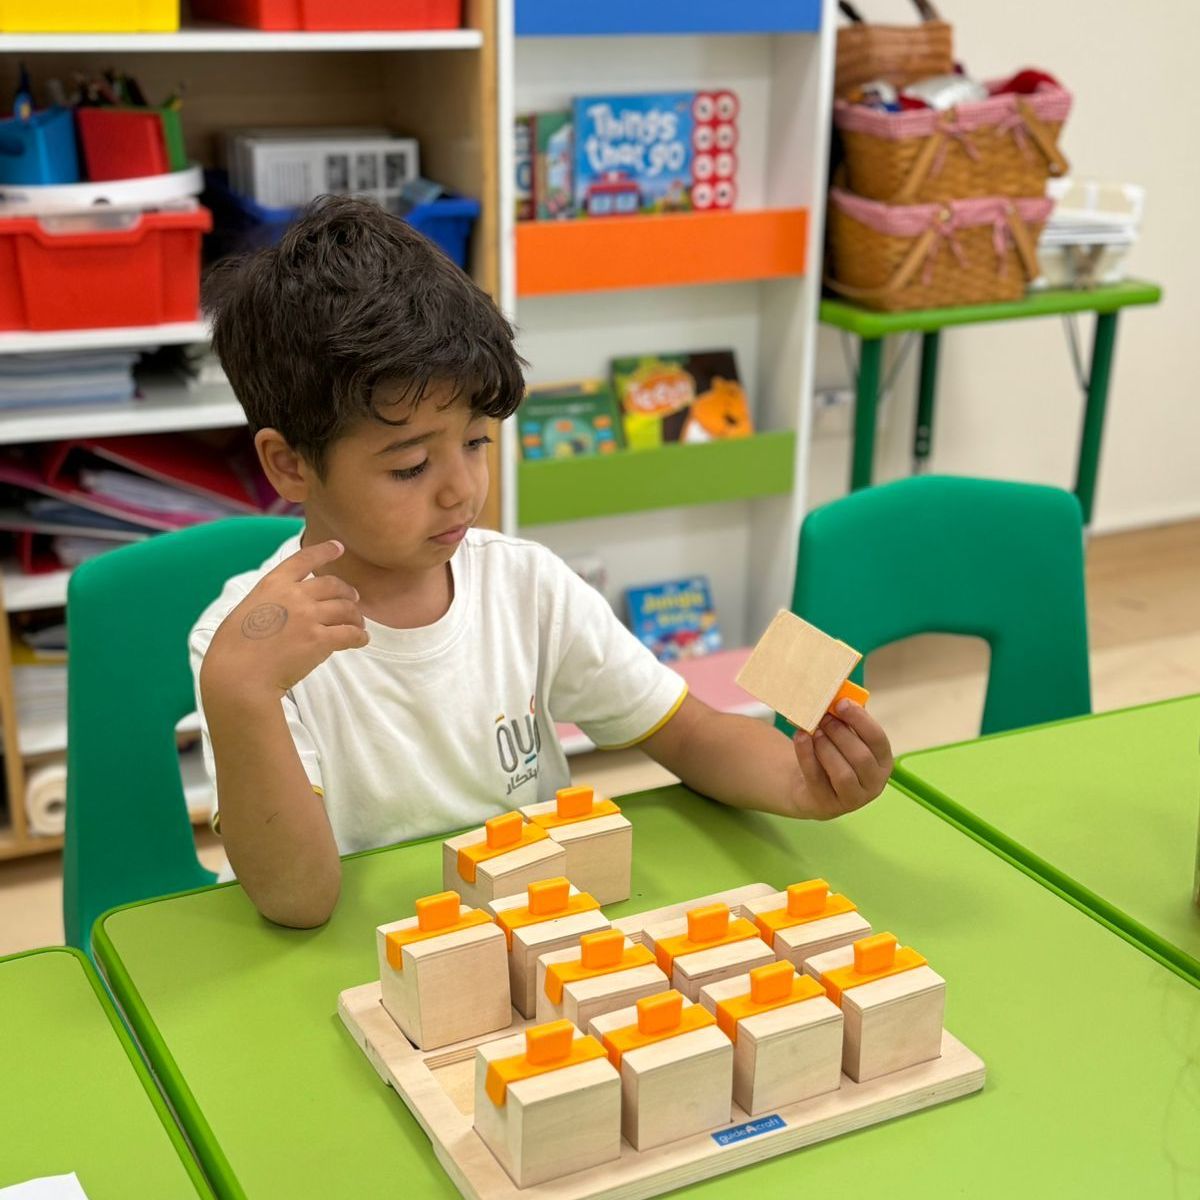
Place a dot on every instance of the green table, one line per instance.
(239, 1020)
(872, 327)
(1104, 808)
(75, 1095)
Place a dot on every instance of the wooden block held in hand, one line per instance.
(797, 670)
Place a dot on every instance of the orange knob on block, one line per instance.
(549, 895)
(772, 982)
(708, 923)
(549, 1042)
(504, 830)
(807, 898)
(875, 953)
(437, 911)
(657, 1014)
(850, 691)
(574, 801)
(602, 949)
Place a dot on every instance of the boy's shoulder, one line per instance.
(237, 587)
(498, 557)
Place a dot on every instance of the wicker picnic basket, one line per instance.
(901, 54)
(895, 258)
(1006, 145)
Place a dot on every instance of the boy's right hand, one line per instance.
(289, 623)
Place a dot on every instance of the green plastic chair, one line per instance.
(129, 612)
(940, 554)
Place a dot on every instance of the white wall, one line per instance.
(1008, 405)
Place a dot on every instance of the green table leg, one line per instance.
(1099, 375)
(866, 401)
(926, 392)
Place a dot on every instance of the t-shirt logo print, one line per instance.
(518, 743)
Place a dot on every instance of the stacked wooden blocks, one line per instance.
(893, 1003)
(423, 961)
(552, 915)
(706, 945)
(501, 859)
(676, 1068)
(598, 841)
(607, 972)
(547, 1103)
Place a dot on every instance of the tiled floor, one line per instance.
(1144, 614)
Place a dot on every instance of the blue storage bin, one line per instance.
(240, 224)
(40, 150)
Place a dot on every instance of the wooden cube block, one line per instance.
(786, 1033)
(547, 1103)
(597, 839)
(552, 915)
(444, 972)
(797, 670)
(501, 859)
(676, 1068)
(706, 945)
(607, 972)
(893, 1004)
(806, 920)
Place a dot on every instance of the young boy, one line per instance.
(394, 672)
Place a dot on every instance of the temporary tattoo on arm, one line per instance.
(264, 621)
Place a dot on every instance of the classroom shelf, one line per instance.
(554, 18)
(179, 333)
(25, 593)
(166, 406)
(709, 678)
(671, 476)
(213, 37)
(13, 847)
(556, 257)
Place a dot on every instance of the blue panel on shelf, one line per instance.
(566, 18)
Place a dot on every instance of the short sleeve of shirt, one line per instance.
(601, 677)
(198, 644)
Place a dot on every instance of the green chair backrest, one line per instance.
(939, 554)
(129, 612)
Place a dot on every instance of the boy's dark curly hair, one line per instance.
(350, 300)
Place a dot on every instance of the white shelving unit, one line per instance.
(747, 547)
(438, 86)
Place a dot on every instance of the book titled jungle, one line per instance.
(675, 619)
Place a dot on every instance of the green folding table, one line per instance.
(1104, 808)
(74, 1093)
(871, 328)
(1092, 1049)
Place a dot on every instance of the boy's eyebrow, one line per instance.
(404, 443)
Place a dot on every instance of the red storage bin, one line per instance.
(333, 15)
(52, 277)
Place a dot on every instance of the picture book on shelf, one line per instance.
(675, 619)
(567, 420)
(655, 153)
(553, 166)
(523, 167)
(689, 397)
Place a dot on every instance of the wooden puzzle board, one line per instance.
(438, 1088)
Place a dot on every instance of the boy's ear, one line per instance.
(289, 474)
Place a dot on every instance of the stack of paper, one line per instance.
(66, 379)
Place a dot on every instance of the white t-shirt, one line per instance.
(437, 728)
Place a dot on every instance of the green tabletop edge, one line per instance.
(125, 1038)
(866, 323)
(1019, 855)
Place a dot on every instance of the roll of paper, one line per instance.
(46, 799)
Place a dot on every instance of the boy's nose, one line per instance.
(456, 485)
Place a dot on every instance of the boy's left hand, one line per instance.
(844, 764)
